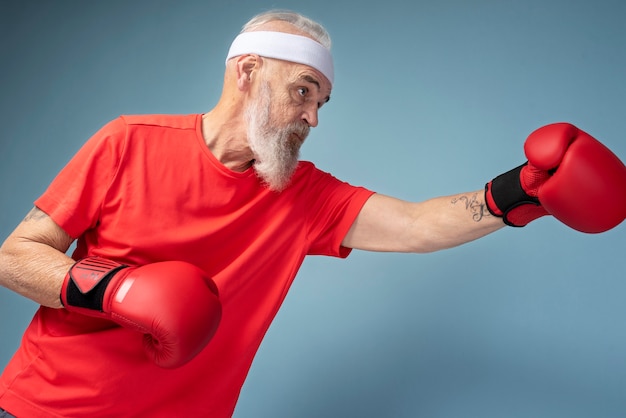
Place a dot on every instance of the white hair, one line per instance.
(308, 26)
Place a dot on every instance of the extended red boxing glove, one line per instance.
(569, 175)
(173, 303)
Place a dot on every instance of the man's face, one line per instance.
(276, 148)
(279, 123)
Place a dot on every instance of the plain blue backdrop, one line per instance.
(431, 98)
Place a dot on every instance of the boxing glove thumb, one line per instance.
(173, 303)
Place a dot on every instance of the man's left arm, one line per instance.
(390, 224)
(568, 174)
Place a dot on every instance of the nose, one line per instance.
(310, 116)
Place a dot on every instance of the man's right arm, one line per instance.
(33, 262)
(180, 316)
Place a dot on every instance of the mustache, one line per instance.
(302, 130)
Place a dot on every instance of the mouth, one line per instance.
(297, 137)
(301, 134)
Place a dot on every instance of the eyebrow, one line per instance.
(314, 81)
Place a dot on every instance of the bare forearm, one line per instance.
(450, 221)
(34, 265)
(389, 224)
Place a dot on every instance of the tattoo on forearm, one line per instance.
(473, 204)
(35, 214)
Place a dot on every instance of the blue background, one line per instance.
(431, 98)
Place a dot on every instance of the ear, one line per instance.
(247, 66)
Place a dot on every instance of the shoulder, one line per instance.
(318, 182)
(163, 121)
(308, 172)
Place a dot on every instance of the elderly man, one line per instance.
(189, 231)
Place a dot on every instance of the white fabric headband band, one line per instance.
(284, 46)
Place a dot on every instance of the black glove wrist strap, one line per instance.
(89, 279)
(507, 191)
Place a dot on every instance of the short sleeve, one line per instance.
(334, 205)
(74, 198)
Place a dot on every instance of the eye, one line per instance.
(302, 91)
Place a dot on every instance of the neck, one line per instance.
(225, 135)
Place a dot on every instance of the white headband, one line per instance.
(284, 46)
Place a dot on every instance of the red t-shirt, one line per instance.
(146, 189)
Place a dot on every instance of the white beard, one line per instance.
(275, 150)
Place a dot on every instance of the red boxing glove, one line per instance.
(173, 303)
(569, 175)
